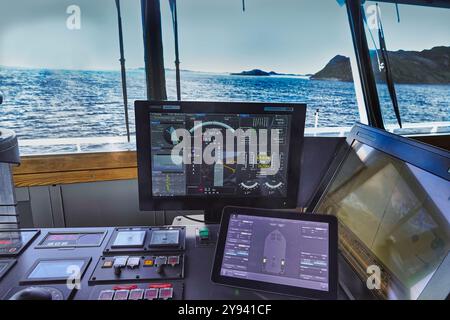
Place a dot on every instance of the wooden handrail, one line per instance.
(75, 168)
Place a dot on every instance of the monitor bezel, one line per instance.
(147, 201)
(432, 159)
(331, 294)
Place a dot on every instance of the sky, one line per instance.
(291, 36)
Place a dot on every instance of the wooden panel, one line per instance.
(75, 168)
(74, 162)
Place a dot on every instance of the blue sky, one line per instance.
(298, 36)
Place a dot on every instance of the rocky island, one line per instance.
(254, 72)
(259, 72)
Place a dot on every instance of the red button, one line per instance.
(160, 285)
(130, 287)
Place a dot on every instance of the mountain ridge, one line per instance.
(430, 66)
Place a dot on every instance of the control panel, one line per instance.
(126, 263)
(121, 263)
(138, 268)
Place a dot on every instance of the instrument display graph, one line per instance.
(226, 176)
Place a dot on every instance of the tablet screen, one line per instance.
(274, 250)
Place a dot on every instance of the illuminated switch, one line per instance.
(161, 260)
(106, 295)
(173, 260)
(204, 234)
(121, 295)
(151, 294)
(108, 264)
(148, 263)
(133, 262)
(136, 294)
(120, 261)
(166, 293)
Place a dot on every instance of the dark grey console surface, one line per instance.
(196, 283)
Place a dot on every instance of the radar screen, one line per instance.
(392, 214)
(226, 155)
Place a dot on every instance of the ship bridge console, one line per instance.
(381, 211)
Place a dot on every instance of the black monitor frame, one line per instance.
(213, 205)
(431, 159)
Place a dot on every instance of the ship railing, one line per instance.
(408, 129)
(108, 143)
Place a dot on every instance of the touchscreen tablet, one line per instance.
(277, 251)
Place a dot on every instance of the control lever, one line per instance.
(117, 270)
(160, 269)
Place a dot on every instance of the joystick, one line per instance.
(32, 293)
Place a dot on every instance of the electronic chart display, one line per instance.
(285, 253)
(205, 155)
(225, 177)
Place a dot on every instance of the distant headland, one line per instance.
(414, 67)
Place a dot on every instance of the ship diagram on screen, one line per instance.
(280, 251)
(226, 177)
(274, 258)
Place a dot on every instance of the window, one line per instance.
(60, 73)
(284, 44)
(418, 44)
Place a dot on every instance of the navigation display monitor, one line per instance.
(393, 212)
(225, 177)
(13, 242)
(55, 270)
(272, 249)
(206, 155)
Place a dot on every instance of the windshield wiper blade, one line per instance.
(388, 72)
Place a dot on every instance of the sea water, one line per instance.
(43, 103)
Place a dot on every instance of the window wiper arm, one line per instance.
(388, 72)
(173, 9)
(123, 70)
